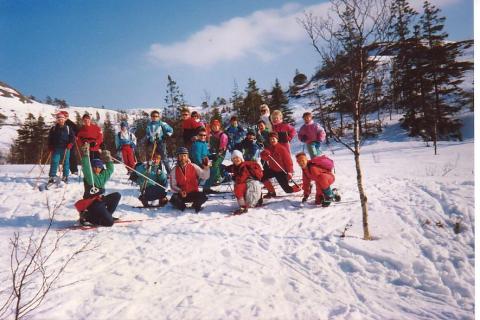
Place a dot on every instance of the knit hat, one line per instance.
(273, 134)
(124, 124)
(97, 163)
(65, 113)
(60, 115)
(237, 154)
(215, 122)
(250, 132)
(182, 150)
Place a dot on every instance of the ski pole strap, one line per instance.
(153, 181)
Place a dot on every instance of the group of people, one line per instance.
(257, 154)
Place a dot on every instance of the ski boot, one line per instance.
(240, 211)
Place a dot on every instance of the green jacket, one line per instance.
(99, 180)
(156, 174)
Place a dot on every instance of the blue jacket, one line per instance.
(249, 149)
(156, 173)
(157, 130)
(198, 152)
(121, 140)
(59, 137)
(235, 136)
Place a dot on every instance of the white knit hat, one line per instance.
(237, 154)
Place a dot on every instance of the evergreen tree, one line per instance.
(109, 135)
(31, 142)
(237, 98)
(250, 111)
(279, 101)
(78, 119)
(174, 99)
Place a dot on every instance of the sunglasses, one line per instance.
(263, 111)
(202, 135)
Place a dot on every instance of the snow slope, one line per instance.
(280, 261)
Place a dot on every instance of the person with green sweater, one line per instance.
(95, 207)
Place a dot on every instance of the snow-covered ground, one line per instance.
(280, 261)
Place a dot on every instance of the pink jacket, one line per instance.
(311, 132)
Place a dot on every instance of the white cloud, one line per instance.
(264, 34)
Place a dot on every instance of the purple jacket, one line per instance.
(311, 132)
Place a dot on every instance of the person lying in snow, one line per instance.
(278, 165)
(149, 191)
(323, 178)
(247, 188)
(95, 207)
(184, 179)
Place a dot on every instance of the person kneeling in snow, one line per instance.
(247, 189)
(149, 191)
(323, 178)
(95, 207)
(279, 166)
(184, 182)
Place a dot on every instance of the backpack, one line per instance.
(255, 170)
(323, 162)
(253, 193)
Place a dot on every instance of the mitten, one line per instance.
(85, 149)
(107, 157)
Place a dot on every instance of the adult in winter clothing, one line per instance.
(73, 154)
(199, 150)
(95, 207)
(265, 116)
(184, 182)
(246, 175)
(157, 132)
(311, 133)
(60, 142)
(190, 127)
(262, 134)
(218, 145)
(149, 190)
(91, 134)
(235, 133)
(279, 166)
(125, 141)
(285, 131)
(323, 179)
(249, 147)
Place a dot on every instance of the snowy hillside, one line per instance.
(280, 261)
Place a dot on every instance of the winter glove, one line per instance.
(85, 149)
(107, 157)
(265, 155)
(205, 162)
(302, 138)
(69, 146)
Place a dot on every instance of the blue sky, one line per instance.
(118, 53)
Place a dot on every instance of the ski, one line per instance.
(89, 226)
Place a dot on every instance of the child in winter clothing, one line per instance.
(199, 150)
(95, 207)
(249, 147)
(285, 131)
(246, 175)
(218, 147)
(184, 182)
(60, 142)
(149, 191)
(323, 180)
(279, 166)
(92, 134)
(157, 133)
(125, 141)
(262, 134)
(265, 116)
(235, 133)
(311, 133)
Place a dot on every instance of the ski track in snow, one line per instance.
(276, 262)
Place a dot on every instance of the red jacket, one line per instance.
(243, 172)
(186, 179)
(90, 134)
(281, 155)
(285, 132)
(323, 178)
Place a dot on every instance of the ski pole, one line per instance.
(42, 169)
(63, 161)
(284, 171)
(79, 156)
(153, 181)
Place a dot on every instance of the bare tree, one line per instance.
(32, 272)
(350, 39)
